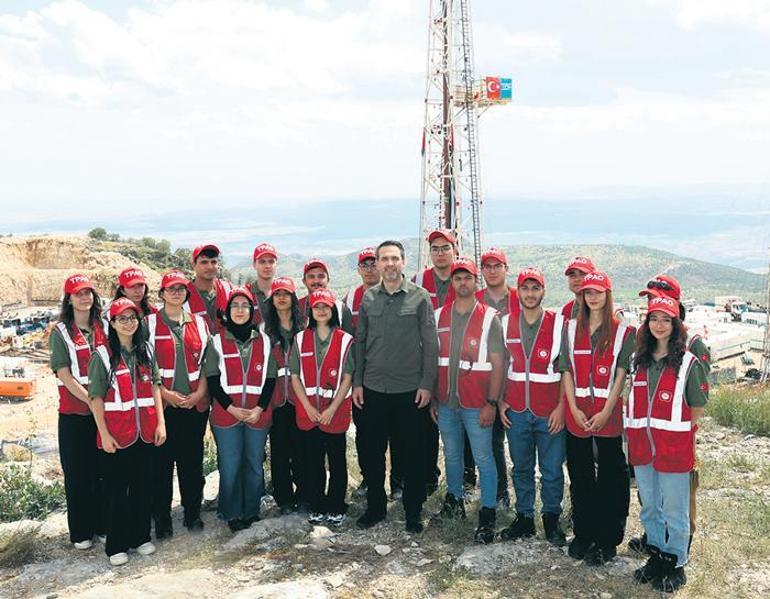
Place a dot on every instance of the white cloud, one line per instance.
(691, 13)
(316, 5)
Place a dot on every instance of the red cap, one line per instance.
(75, 283)
(131, 276)
(367, 254)
(314, 263)
(284, 283)
(494, 254)
(662, 286)
(531, 273)
(463, 263)
(173, 277)
(242, 291)
(445, 233)
(596, 280)
(580, 263)
(197, 251)
(264, 249)
(121, 305)
(667, 305)
(322, 296)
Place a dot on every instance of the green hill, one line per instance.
(630, 267)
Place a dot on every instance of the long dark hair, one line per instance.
(67, 312)
(605, 329)
(142, 351)
(273, 323)
(333, 322)
(646, 343)
(144, 304)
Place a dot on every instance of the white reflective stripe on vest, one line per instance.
(152, 324)
(658, 424)
(283, 371)
(486, 325)
(521, 377)
(558, 326)
(142, 402)
(250, 389)
(194, 376)
(166, 373)
(80, 377)
(477, 366)
(226, 387)
(586, 392)
(443, 361)
(327, 393)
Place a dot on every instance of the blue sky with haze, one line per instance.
(165, 107)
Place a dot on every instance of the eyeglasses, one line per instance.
(655, 284)
(176, 289)
(496, 266)
(126, 319)
(367, 265)
(440, 249)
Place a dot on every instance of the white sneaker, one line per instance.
(335, 520)
(146, 548)
(87, 544)
(316, 518)
(119, 559)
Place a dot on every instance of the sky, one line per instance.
(157, 108)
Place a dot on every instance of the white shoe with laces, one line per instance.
(146, 548)
(119, 559)
(316, 518)
(335, 520)
(82, 545)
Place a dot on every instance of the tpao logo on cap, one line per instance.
(78, 279)
(662, 301)
(595, 276)
(580, 260)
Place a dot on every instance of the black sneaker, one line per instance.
(485, 533)
(639, 545)
(163, 528)
(522, 526)
(368, 520)
(451, 509)
(598, 555)
(553, 532)
(194, 524)
(670, 577)
(578, 547)
(235, 525)
(650, 570)
(414, 525)
(250, 520)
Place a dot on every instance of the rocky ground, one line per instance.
(286, 557)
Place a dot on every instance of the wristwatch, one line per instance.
(492, 402)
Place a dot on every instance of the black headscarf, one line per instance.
(242, 332)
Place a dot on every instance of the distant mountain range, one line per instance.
(629, 267)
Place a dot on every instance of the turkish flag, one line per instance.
(493, 87)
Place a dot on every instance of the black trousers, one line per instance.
(287, 463)
(498, 451)
(396, 466)
(80, 463)
(601, 493)
(395, 416)
(184, 447)
(128, 477)
(432, 471)
(318, 447)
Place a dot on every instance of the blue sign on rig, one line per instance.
(506, 89)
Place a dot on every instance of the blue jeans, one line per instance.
(451, 423)
(240, 452)
(665, 514)
(527, 434)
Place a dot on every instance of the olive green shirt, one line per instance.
(495, 345)
(59, 352)
(702, 353)
(98, 376)
(528, 332)
(501, 306)
(261, 298)
(181, 377)
(442, 287)
(321, 347)
(696, 390)
(210, 299)
(624, 358)
(396, 341)
(211, 358)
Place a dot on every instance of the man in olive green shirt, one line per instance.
(396, 362)
(265, 262)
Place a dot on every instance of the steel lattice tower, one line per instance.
(765, 375)
(451, 195)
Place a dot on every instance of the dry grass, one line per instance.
(20, 546)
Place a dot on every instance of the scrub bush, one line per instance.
(23, 497)
(744, 408)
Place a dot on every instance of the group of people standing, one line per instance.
(409, 362)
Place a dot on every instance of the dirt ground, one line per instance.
(286, 557)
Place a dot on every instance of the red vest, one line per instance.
(533, 384)
(195, 336)
(283, 391)
(660, 430)
(513, 300)
(80, 355)
(321, 384)
(474, 368)
(566, 310)
(197, 306)
(353, 302)
(426, 280)
(597, 370)
(129, 407)
(244, 386)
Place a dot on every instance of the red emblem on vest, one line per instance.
(333, 372)
(543, 353)
(603, 370)
(665, 396)
(473, 342)
(258, 367)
